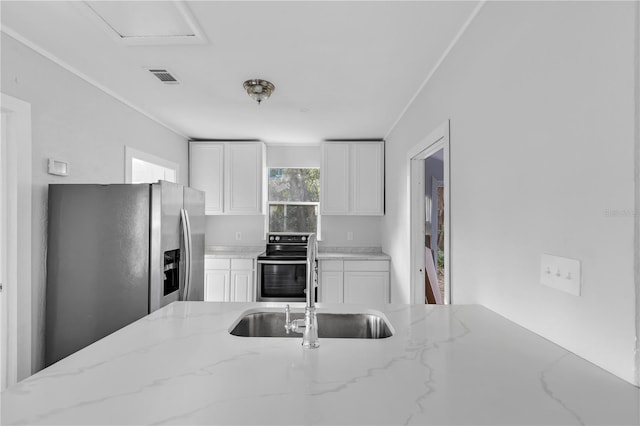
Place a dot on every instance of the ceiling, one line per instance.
(342, 70)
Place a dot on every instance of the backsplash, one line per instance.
(222, 230)
(336, 231)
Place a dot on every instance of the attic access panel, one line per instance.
(145, 22)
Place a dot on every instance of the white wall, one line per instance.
(75, 122)
(293, 155)
(221, 230)
(541, 101)
(365, 230)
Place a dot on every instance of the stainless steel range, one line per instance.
(282, 269)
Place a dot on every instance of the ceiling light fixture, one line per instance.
(259, 90)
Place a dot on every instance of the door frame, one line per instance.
(16, 175)
(438, 139)
(4, 276)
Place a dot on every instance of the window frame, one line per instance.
(269, 203)
(131, 154)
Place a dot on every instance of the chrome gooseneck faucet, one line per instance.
(309, 325)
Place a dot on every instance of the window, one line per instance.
(294, 200)
(141, 167)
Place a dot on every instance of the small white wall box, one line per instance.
(57, 167)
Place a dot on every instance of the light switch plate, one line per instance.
(561, 273)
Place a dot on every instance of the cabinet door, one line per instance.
(334, 178)
(244, 176)
(242, 286)
(216, 285)
(369, 288)
(331, 287)
(206, 173)
(367, 178)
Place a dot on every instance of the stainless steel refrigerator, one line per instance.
(116, 253)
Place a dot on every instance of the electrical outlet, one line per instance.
(560, 273)
(238, 236)
(349, 236)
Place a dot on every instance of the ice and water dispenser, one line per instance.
(171, 271)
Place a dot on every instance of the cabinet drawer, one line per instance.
(366, 265)
(242, 264)
(217, 263)
(331, 265)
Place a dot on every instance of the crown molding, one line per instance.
(45, 53)
(435, 68)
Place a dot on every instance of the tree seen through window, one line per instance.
(294, 198)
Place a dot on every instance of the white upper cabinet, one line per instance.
(206, 173)
(367, 178)
(230, 174)
(352, 178)
(243, 188)
(334, 178)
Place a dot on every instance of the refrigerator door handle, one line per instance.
(190, 254)
(186, 235)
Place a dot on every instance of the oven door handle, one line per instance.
(282, 262)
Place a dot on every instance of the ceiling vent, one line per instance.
(164, 75)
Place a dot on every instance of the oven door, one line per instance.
(282, 280)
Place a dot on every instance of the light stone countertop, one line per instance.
(328, 253)
(352, 253)
(445, 365)
(233, 252)
(352, 256)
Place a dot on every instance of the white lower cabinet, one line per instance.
(366, 287)
(331, 281)
(241, 283)
(229, 280)
(354, 281)
(216, 285)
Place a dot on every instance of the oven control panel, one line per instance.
(288, 238)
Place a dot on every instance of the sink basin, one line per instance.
(330, 325)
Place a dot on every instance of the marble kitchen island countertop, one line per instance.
(458, 364)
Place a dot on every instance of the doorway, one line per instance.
(430, 212)
(434, 227)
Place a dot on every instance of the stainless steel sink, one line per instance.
(330, 325)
